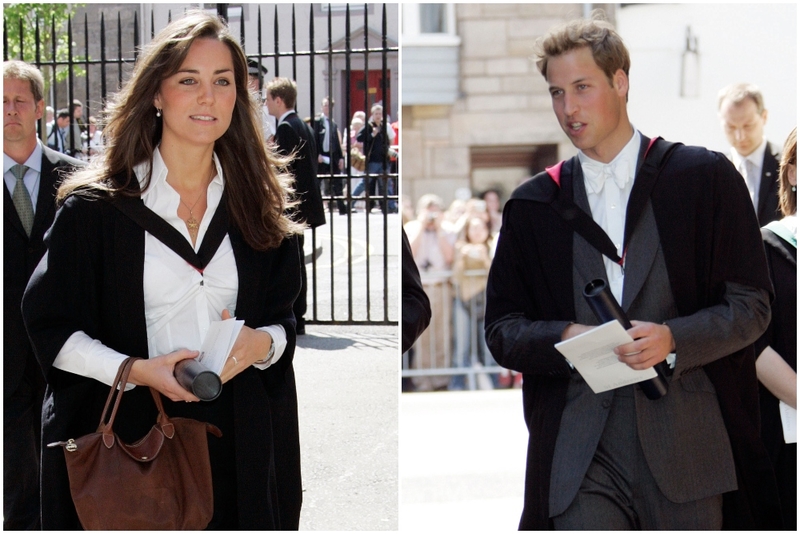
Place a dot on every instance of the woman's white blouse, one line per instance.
(180, 302)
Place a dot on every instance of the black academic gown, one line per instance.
(293, 136)
(692, 196)
(91, 280)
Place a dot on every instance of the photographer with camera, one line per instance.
(376, 138)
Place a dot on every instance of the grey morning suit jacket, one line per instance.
(682, 435)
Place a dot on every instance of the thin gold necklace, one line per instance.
(191, 223)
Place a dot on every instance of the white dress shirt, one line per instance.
(609, 205)
(31, 178)
(608, 188)
(180, 303)
(756, 160)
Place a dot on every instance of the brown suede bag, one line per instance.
(161, 482)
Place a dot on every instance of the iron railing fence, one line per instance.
(360, 251)
(452, 354)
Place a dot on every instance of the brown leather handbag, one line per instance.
(161, 482)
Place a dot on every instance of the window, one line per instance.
(432, 18)
(430, 25)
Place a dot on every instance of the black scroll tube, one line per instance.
(606, 308)
(198, 379)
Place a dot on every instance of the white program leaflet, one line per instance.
(592, 354)
(218, 343)
(789, 421)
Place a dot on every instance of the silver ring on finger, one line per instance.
(235, 361)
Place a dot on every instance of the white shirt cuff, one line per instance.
(278, 339)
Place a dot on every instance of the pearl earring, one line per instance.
(794, 188)
(158, 112)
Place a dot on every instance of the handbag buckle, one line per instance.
(71, 446)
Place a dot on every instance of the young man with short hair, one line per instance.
(690, 272)
(293, 136)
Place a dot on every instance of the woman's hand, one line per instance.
(157, 373)
(251, 346)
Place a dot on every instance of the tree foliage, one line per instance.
(24, 18)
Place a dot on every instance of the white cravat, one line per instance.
(608, 200)
(595, 174)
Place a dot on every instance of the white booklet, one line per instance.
(218, 343)
(789, 422)
(592, 355)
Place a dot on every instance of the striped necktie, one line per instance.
(22, 199)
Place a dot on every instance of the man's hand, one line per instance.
(573, 330)
(651, 345)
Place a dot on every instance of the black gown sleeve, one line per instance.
(416, 306)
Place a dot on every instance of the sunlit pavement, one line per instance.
(347, 390)
(462, 461)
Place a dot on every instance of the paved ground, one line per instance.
(357, 261)
(461, 454)
(347, 386)
(462, 461)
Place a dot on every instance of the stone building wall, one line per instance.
(503, 117)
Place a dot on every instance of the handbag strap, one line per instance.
(117, 388)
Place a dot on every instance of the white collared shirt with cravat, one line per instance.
(750, 168)
(608, 188)
(31, 178)
(180, 303)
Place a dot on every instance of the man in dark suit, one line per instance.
(330, 159)
(681, 253)
(31, 172)
(57, 131)
(741, 110)
(293, 136)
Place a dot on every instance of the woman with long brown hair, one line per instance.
(184, 140)
(776, 365)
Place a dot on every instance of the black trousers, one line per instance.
(332, 186)
(22, 436)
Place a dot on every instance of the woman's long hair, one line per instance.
(256, 187)
(786, 192)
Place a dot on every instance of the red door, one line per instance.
(372, 88)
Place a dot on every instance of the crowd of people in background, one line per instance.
(68, 133)
(453, 249)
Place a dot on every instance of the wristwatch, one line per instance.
(271, 352)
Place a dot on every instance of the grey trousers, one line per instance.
(619, 492)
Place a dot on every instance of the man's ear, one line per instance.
(621, 82)
(764, 115)
(39, 109)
